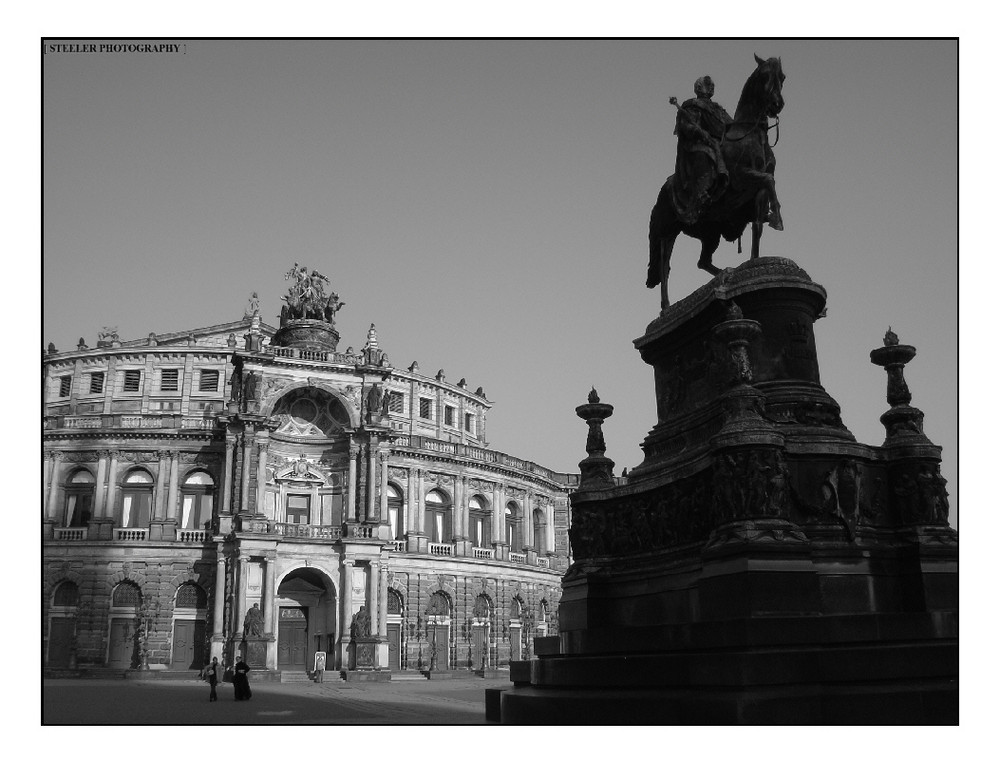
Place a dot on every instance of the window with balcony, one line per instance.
(197, 497)
(538, 527)
(297, 508)
(97, 383)
(208, 380)
(479, 522)
(136, 501)
(169, 379)
(79, 500)
(437, 517)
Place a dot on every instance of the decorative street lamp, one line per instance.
(147, 614)
(433, 619)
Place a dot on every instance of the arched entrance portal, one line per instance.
(306, 612)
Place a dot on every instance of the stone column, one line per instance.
(219, 604)
(419, 503)
(51, 506)
(383, 505)
(352, 482)
(370, 511)
(346, 582)
(240, 606)
(100, 488)
(109, 505)
(262, 444)
(268, 595)
(227, 478)
(383, 611)
(170, 513)
(244, 505)
(499, 503)
(160, 506)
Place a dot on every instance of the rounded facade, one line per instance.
(280, 502)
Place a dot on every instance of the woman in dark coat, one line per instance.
(241, 682)
(212, 675)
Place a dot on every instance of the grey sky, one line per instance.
(485, 204)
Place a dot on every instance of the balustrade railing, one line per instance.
(131, 534)
(543, 562)
(518, 557)
(477, 453)
(82, 422)
(397, 545)
(445, 550)
(70, 534)
(314, 355)
(306, 531)
(191, 535)
(482, 553)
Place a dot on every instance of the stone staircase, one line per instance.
(294, 677)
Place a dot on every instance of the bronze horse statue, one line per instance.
(750, 197)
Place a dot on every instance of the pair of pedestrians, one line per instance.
(241, 680)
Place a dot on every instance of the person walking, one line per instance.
(212, 675)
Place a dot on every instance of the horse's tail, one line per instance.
(658, 224)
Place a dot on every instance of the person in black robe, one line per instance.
(241, 680)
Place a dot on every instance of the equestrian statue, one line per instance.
(724, 175)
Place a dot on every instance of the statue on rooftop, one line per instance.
(307, 298)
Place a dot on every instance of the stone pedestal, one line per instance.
(313, 335)
(255, 652)
(760, 566)
(364, 653)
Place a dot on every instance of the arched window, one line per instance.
(137, 500)
(515, 609)
(479, 522)
(79, 499)
(394, 603)
(66, 595)
(512, 526)
(437, 517)
(394, 507)
(538, 526)
(126, 595)
(191, 595)
(197, 496)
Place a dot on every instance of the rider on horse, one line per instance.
(701, 174)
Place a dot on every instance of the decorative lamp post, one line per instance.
(901, 420)
(433, 619)
(596, 469)
(148, 612)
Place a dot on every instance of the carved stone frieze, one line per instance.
(199, 458)
(400, 474)
(75, 456)
(138, 457)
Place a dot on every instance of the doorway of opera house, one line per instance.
(306, 610)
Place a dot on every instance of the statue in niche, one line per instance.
(253, 622)
(249, 390)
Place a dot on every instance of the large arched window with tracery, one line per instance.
(197, 497)
(79, 499)
(137, 500)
